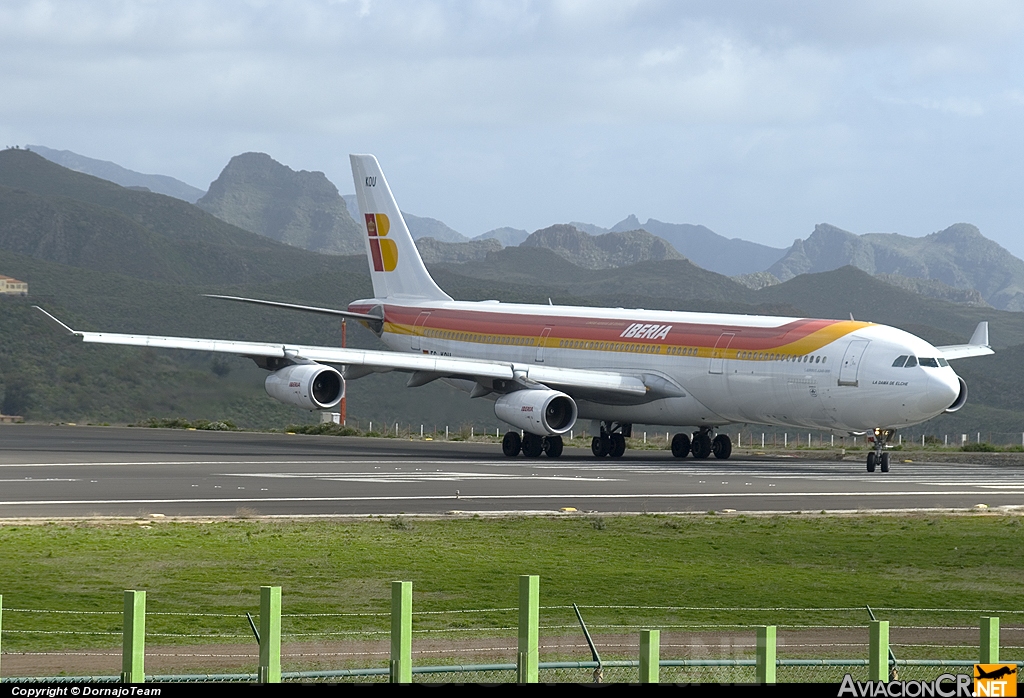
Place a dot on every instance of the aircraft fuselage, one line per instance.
(718, 368)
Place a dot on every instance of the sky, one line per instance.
(756, 118)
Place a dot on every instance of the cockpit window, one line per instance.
(912, 362)
(943, 362)
(931, 363)
(900, 361)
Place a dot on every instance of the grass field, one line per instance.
(603, 564)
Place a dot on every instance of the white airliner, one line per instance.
(547, 367)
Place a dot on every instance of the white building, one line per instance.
(13, 286)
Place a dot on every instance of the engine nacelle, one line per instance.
(309, 386)
(541, 412)
(961, 399)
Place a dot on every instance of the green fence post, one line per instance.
(650, 655)
(133, 634)
(401, 632)
(270, 635)
(529, 628)
(766, 654)
(878, 651)
(989, 640)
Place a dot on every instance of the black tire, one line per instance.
(553, 446)
(618, 446)
(533, 445)
(722, 447)
(871, 462)
(700, 445)
(600, 446)
(511, 444)
(884, 465)
(680, 445)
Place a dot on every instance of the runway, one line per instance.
(67, 471)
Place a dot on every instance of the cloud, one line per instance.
(772, 110)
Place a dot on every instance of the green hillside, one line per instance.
(837, 294)
(76, 219)
(47, 376)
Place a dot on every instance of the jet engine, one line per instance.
(309, 386)
(542, 412)
(961, 399)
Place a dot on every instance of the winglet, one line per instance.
(55, 321)
(980, 336)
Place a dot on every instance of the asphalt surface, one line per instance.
(59, 471)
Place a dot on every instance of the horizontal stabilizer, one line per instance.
(977, 346)
(374, 322)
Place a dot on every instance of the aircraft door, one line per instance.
(541, 341)
(851, 362)
(417, 331)
(718, 353)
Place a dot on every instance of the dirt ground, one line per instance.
(948, 643)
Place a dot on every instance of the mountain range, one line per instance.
(706, 248)
(302, 209)
(305, 210)
(959, 256)
(615, 249)
(160, 184)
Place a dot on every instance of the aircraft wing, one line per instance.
(426, 365)
(977, 345)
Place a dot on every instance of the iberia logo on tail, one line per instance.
(383, 251)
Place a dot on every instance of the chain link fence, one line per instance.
(690, 671)
(699, 644)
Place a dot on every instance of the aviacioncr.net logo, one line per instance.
(383, 251)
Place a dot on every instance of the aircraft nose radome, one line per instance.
(943, 389)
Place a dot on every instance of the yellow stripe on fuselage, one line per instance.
(807, 344)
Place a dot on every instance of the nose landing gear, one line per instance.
(879, 457)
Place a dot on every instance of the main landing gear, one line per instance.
(612, 441)
(879, 457)
(531, 445)
(701, 445)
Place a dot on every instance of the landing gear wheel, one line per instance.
(600, 446)
(680, 445)
(618, 448)
(722, 447)
(701, 445)
(884, 466)
(871, 462)
(553, 446)
(533, 445)
(511, 444)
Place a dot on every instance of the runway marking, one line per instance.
(232, 462)
(707, 495)
(405, 476)
(43, 479)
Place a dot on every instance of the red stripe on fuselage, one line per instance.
(599, 329)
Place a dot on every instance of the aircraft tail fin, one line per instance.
(396, 268)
